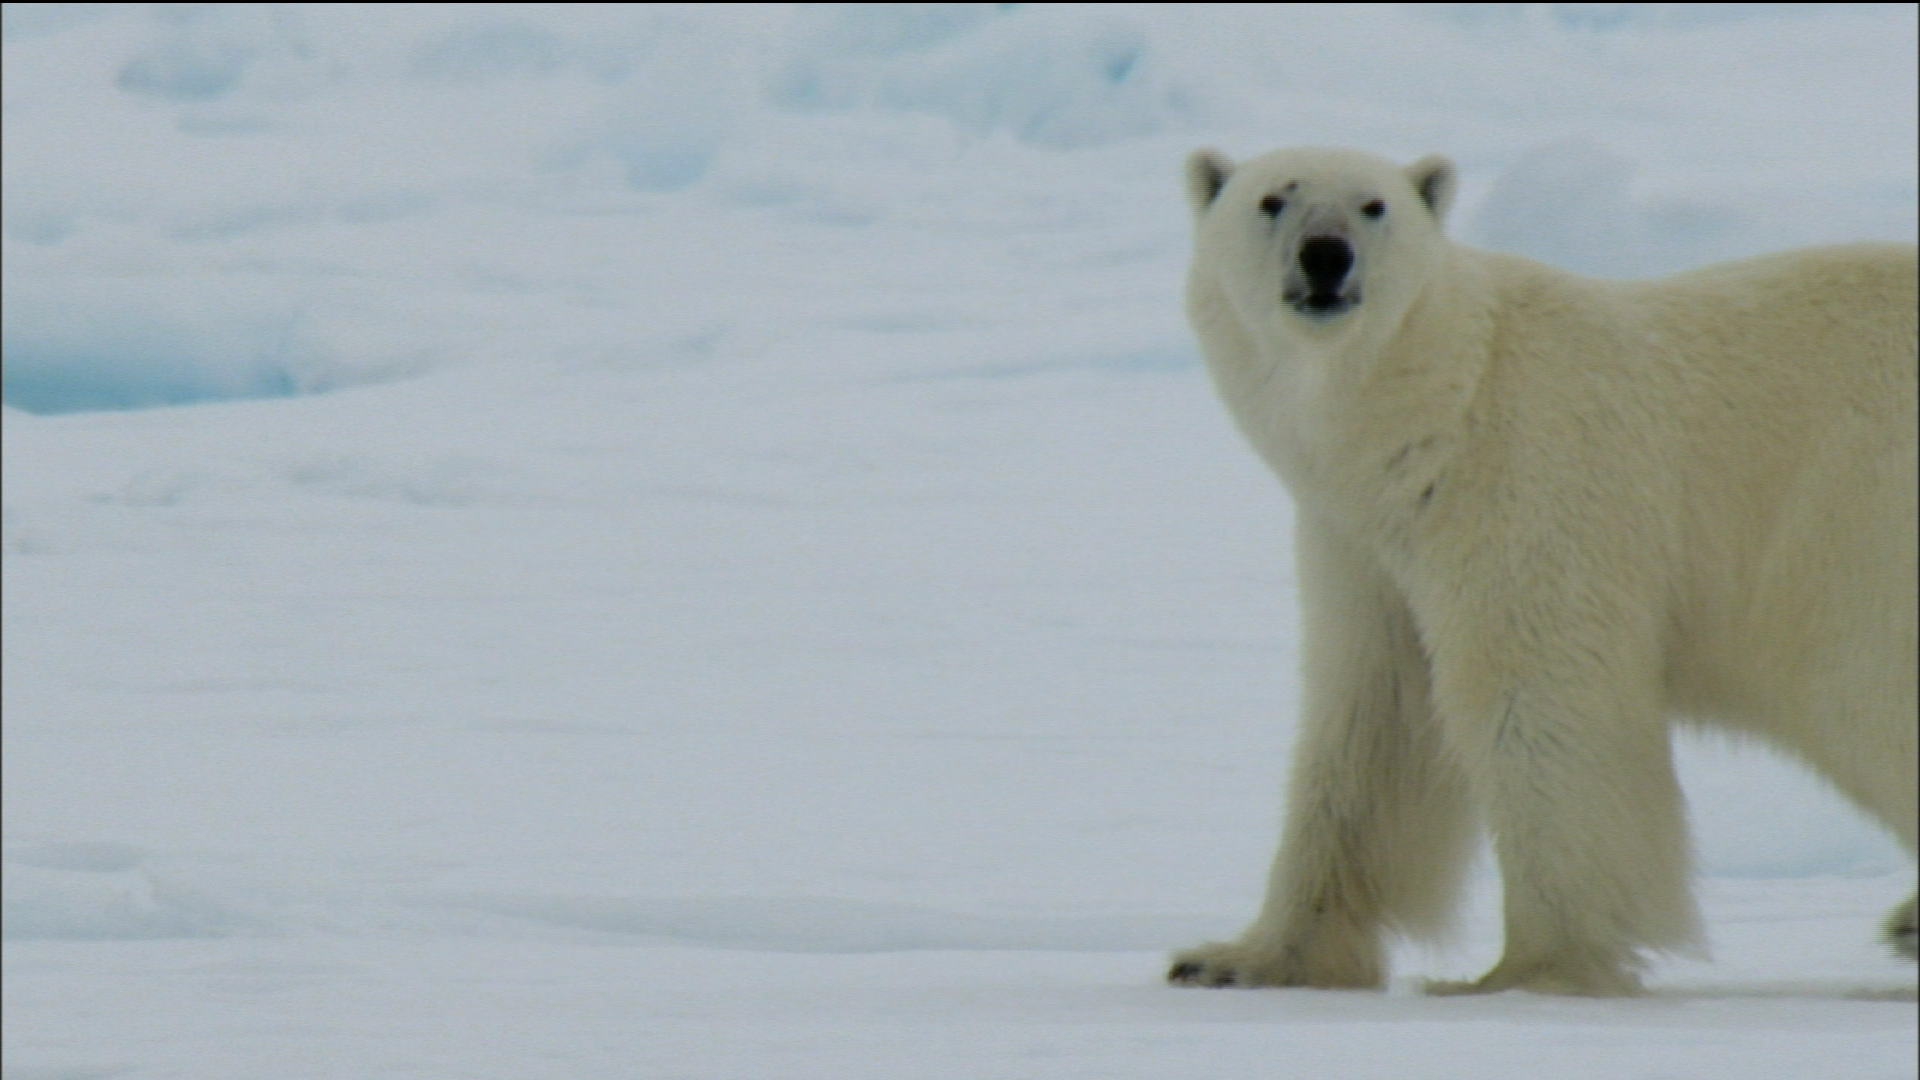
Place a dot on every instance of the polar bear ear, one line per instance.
(1435, 178)
(1207, 172)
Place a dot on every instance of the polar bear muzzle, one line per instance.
(1318, 283)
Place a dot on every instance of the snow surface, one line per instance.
(705, 549)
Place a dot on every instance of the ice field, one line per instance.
(672, 541)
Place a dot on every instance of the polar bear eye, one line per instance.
(1374, 208)
(1272, 205)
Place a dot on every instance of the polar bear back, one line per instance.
(1802, 523)
(1776, 397)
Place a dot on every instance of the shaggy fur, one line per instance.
(1539, 517)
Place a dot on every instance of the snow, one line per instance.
(693, 541)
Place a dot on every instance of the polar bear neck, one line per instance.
(1363, 414)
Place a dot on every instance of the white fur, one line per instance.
(1539, 516)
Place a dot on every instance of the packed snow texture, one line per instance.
(693, 541)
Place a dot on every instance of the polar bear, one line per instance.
(1537, 517)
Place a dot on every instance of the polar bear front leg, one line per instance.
(1378, 830)
(1569, 753)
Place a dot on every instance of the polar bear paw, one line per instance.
(1221, 963)
(1902, 933)
(1575, 977)
(1244, 964)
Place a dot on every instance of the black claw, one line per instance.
(1190, 973)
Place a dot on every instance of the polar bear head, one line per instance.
(1313, 243)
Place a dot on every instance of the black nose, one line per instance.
(1325, 261)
